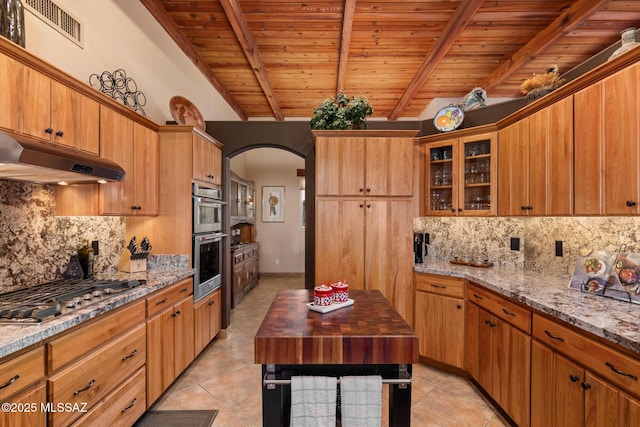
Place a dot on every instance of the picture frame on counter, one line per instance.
(272, 203)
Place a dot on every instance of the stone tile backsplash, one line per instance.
(489, 238)
(35, 245)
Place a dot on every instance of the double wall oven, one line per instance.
(207, 239)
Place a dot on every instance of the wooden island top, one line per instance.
(368, 332)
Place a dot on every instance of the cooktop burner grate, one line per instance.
(46, 301)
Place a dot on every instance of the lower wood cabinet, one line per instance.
(244, 271)
(34, 399)
(170, 336)
(566, 393)
(498, 354)
(439, 318)
(208, 319)
(122, 407)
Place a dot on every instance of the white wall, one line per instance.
(281, 241)
(123, 34)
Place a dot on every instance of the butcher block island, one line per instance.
(366, 338)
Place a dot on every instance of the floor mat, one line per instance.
(193, 418)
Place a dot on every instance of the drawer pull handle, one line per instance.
(131, 405)
(11, 381)
(91, 383)
(130, 355)
(613, 368)
(586, 386)
(553, 337)
(508, 313)
(184, 290)
(574, 378)
(478, 296)
(439, 286)
(162, 302)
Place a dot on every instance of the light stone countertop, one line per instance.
(17, 337)
(614, 320)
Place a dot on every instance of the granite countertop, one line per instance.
(613, 320)
(17, 337)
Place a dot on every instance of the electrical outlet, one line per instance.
(515, 243)
(277, 261)
(559, 248)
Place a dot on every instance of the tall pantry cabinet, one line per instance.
(364, 212)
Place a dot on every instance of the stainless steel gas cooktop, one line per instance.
(44, 302)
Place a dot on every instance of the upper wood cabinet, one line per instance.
(10, 93)
(461, 176)
(56, 113)
(135, 148)
(207, 161)
(377, 165)
(535, 163)
(607, 122)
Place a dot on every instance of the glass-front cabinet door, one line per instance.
(442, 194)
(478, 175)
(234, 200)
(461, 176)
(250, 201)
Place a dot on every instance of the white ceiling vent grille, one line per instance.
(58, 18)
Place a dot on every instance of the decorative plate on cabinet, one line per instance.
(448, 118)
(185, 113)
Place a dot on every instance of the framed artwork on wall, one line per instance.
(272, 204)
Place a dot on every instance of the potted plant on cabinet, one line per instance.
(342, 113)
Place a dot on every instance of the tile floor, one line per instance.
(224, 377)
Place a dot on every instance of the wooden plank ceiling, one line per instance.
(280, 58)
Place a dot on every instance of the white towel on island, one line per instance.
(361, 401)
(313, 401)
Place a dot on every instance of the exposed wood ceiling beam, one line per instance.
(563, 24)
(187, 47)
(347, 26)
(464, 13)
(243, 34)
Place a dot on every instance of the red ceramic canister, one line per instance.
(340, 292)
(322, 295)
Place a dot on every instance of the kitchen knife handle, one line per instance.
(553, 337)
(91, 383)
(11, 381)
(613, 368)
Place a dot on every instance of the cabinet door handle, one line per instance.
(524, 208)
(11, 381)
(368, 206)
(439, 286)
(478, 296)
(361, 190)
(574, 378)
(368, 190)
(459, 305)
(175, 313)
(361, 205)
(130, 355)
(131, 405)
(586, 386)
(508, 313)
(553, 337)
(211, 302)
(162, 302)
(613, 368)
(60, 133)
(631, 203)
(91, 383)
(48, 130)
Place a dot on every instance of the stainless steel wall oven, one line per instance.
(207, 240)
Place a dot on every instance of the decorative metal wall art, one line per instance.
(121, 88)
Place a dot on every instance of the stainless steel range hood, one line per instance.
(45, 164)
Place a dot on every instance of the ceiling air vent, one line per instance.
(58, 18)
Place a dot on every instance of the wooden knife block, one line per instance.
(129, 265)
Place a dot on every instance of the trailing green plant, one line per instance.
(341, 113)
